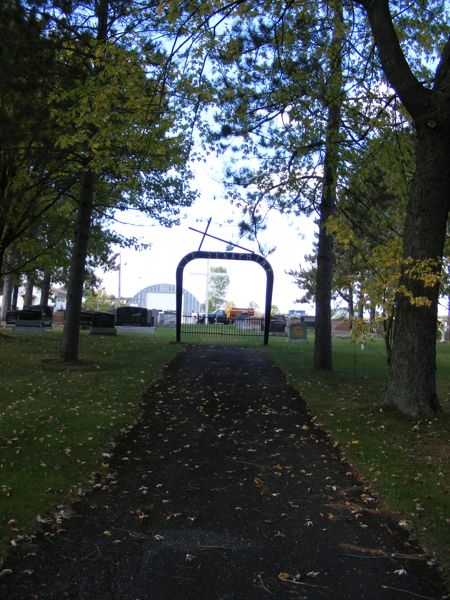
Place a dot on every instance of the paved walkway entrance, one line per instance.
(224, 490)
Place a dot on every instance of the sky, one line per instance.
(292, 236)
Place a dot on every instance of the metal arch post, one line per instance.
(268, 308)
(179, 299)
(225, 256)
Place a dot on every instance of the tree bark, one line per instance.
(7, 292)
(28, 296)
(372, 316)
(361, 304)
(323, 358)
(324, 278)
(411, 384)
(45, 289)
(351, 306)
(71, 333)
(15, 296)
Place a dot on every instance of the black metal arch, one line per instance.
(226, 256)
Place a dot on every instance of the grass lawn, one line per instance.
(408, 463)
(57, 422)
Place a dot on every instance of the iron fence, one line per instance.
(251, 327)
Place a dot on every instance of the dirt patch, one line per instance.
(226, 489)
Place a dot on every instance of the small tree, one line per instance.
(218, 286)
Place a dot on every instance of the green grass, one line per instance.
(407, 463)
(57, 422)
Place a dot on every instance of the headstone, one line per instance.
(340, 328)
(28, 321)
(135, 329)
(277, 325)
(103, 324)
(153, 316)
(297, 332)
(46, 313)
(11, 317)
(136, 316)
(86, 317)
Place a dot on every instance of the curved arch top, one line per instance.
(225, 256)
(240, 256)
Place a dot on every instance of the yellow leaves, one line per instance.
(298, 578)
(341, 230)
(418, 301)
(173, 515)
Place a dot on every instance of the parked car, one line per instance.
(244, 316)
(218, 316)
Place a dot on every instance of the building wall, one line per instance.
(163, 297)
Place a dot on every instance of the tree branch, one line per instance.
(412, 93)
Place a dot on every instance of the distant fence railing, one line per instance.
(250, 327)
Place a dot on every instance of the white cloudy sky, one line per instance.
(292, 237)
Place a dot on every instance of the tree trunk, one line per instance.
(411, 384)
(447, 333)
(388, 327)
(361, 303)
(28, 296)
(351, 306)
(45, 289)
(324, 277)
(322, 345)
(71, 333)
(7, 292)
(15, 296)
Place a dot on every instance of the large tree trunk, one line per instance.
(15, 296)
(324, 277)
(7, 292)
(351, 306)
(361, 303)
(28, 296)
(71, 333)
(412, 377)
(45, 289)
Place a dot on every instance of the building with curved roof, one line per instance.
(162, 296)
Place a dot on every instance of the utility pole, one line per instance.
(120, 280)
(207, 292)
